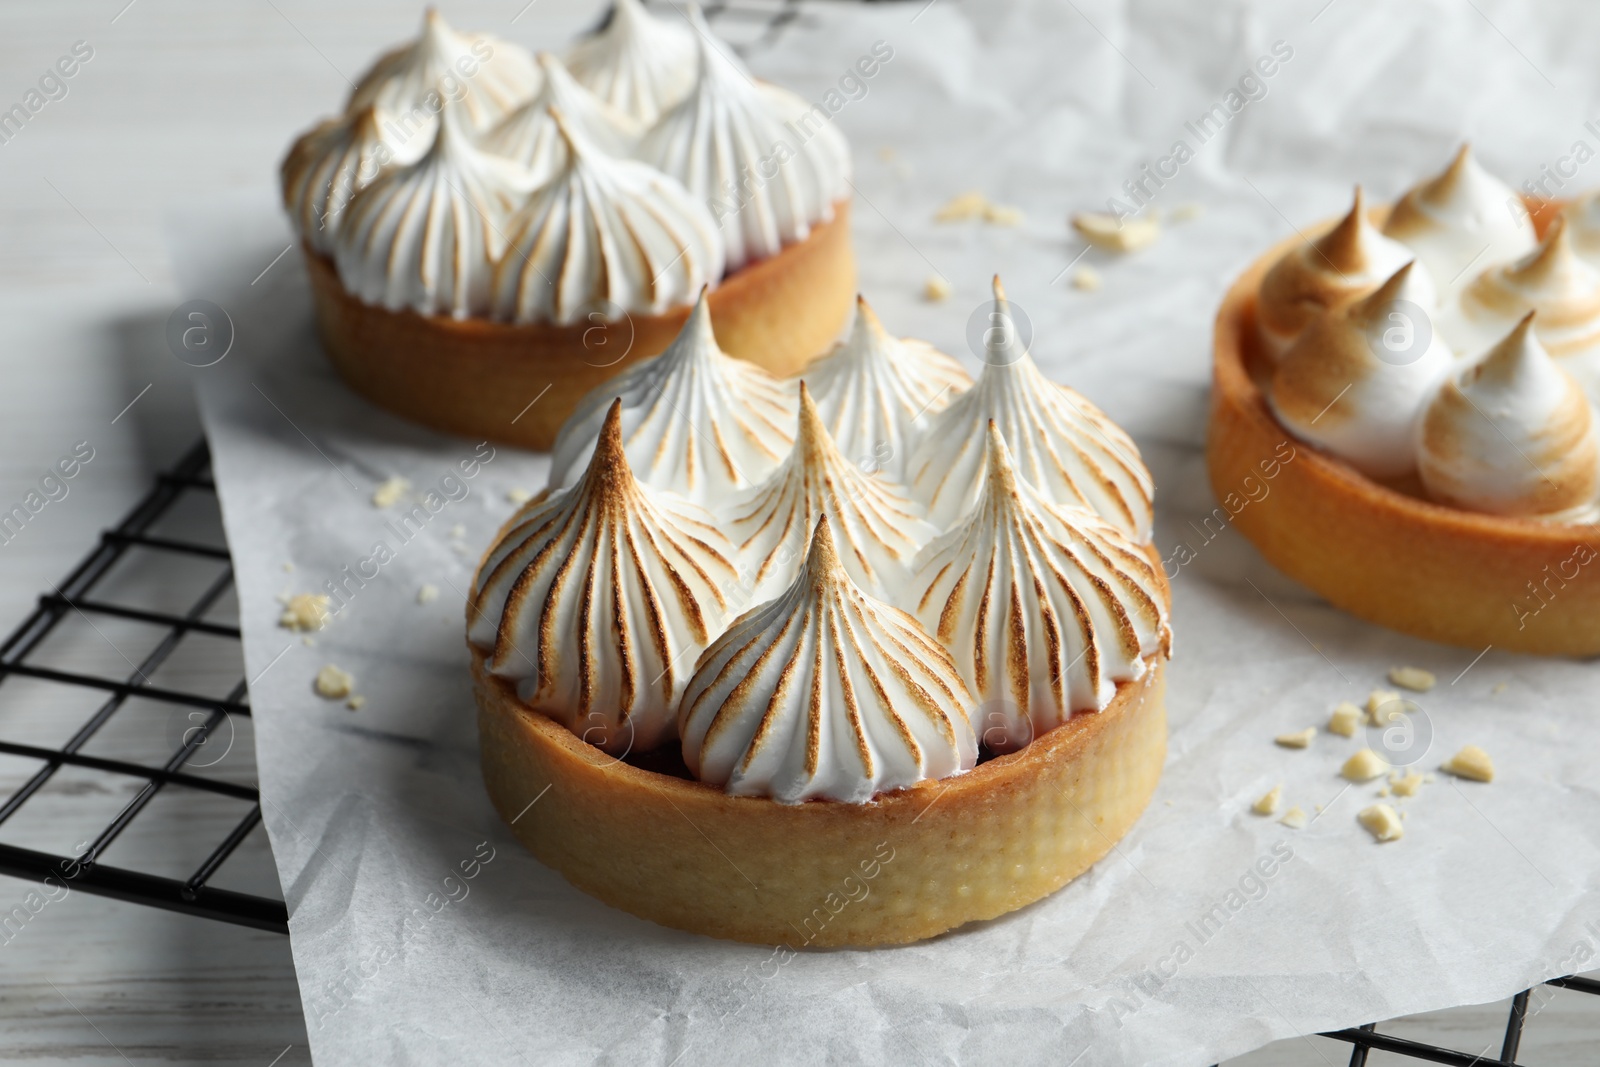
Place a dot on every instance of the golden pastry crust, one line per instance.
(1381, 552)
(911, 864)
(477, 378)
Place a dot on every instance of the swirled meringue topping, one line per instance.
(603, 235)
(1064, 446)
(529, 135)
(481, 76)
(694, 420)
(637, 63)
(1551, 280)
(879, 529)
(425, 236)
(1461, 218)
(597, 598)
(825, 693)
(1348, 261)
(1513, 435)
(1045, 609)
(874, 391)
(327, 167)
(1583, 227)
(732, 143)
(1357, 380)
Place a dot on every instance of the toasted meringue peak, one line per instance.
(737, 147)
(1551, 280)
(529, 135)
(1513, 435)
(603, 235)
(1046, 609)
(825, 694)
(597, 598)
(694, 420)
(1459, 219)
(874, 392)
(1349, 260)
(1357, 380)
(1064, 446)
(480, 76)
(425, 236)
(326, 167)
(878, 527)
(639, 64)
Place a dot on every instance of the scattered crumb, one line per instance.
(1413, 678)
(968, 205)
(1114, 234)
(288, 567)
(333, 683)
(1294, 818)
(304, 611)
(1471, 762)
(1299, 739)
(1345, 720)
(1381, 822)
(1269, 801)
(1185, 213)
(1383, 791)
(1407, 785)
(1377, 699)
(1002, 214)
(518, 496)
(1499, 687)
(356, 703)
(427, 594)
(1402, 815)
(1364, 766)
(935, 289)
(389, 493)
(458, 531)
(1087, 279)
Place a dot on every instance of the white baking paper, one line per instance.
(423, 934)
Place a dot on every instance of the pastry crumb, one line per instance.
(1406, 785)
(1002, 214)
(389, 493)
(935, 289)
(1345, 720)
(1413, 678)
(1086, 279)
(1114, 234)
(1185, 212)
(518, 495)
(356, 703)
(1364, 766)
(1472, 763)
(304, 611)
(458, 531)
(1294, 818)
(1269, 801)
(968, 205)
(333, 683)
(427, 594)
(1298, 739)
(1377, 699)
(1381, 822)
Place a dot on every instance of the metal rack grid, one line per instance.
(75, 596)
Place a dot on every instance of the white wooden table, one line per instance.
(179, 101)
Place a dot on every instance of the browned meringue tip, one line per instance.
(999, 469)
(822, 555)
(1342, 245)
(1501, 361)
(609, 463)
(1546, 260)
(866, 318)
(999, 290)
(1372, 305)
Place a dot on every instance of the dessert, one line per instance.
(1435, 456)
(490, 236)
(725, 706)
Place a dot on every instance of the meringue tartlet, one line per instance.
(1445, 471)
(490, 235)
(796, 709)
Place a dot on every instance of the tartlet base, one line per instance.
(909, 865)
(517, 384)
(1459, 577)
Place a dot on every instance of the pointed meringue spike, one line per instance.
(1375, 304)
(999, 290)
(1501, 362)
(1553, 255)
(1342, 245)
(867, 322)
(822, 555)
(999, 469)
(811, 432)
